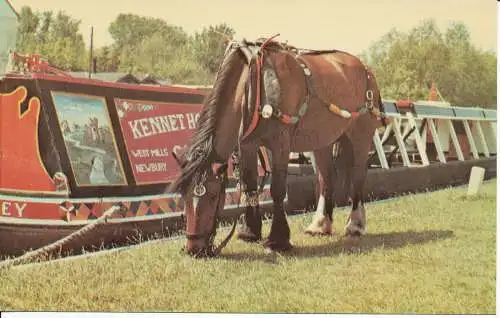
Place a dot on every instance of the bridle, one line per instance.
(209, 236)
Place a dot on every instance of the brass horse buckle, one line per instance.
(199, 190)
(267, 111)
(369, 95)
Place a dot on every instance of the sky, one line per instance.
(77, 109)
(350, 25)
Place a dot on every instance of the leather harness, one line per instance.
(256, 50)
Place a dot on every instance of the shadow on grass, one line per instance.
(345, 245)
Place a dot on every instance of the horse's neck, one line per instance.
(227, 133)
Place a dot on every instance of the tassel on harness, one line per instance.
(339, 111)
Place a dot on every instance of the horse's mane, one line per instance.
(198, 157)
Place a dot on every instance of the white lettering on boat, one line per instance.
(150, 126)
(151, 167)
(9, 208)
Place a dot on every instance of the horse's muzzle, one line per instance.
(209, 250)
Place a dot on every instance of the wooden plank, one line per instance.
(418, 140)
(479, 130)
(380, 150)
(472, 144)
(437, 142)
(390, 108)
(455, 141)
(433, 111)
(490, 114)
(489, 130)
(468, 112)
(399, 139)
(475, 180)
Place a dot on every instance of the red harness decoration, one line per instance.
(215, 167)
(258, 63)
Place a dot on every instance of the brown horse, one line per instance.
(268, 94)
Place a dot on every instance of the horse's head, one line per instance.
(203, 201)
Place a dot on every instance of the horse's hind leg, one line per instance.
(279, 236)
(356, 224)
(322, 223)
(251, 230)
(361, 141)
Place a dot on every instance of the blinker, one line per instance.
(267, 111)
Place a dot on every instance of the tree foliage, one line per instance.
(209, 46)
(153, 46)
(406, 65)
(55, 36)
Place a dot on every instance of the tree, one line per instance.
(56, 38)
(107, 59)
(406, 65)
(28, 25)
(141, 45)
(209, 46)
(147, 45)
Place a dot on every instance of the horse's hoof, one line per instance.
(275, 246)
(320, 226)
(354, 230)
(247, 236)
(318, 232)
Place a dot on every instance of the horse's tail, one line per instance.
(383, 119)
(343, 158)
(381, 110)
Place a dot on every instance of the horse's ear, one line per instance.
(180, 155)
(176, 158)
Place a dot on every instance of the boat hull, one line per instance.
(20, 235)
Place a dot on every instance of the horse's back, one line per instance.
(337, 77)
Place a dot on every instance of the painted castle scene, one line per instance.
(88, 138)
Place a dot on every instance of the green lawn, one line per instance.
(426, 253)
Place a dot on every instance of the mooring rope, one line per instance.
(49, 248)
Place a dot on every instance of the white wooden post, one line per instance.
(387, 132)
(479, 130)
(418, 140)
(490, 135)
(475, 180)
(472, 144)
(396, 124)
(437, 141)
(493, 129)
(455, 141)
(380, 150)
(424, 133)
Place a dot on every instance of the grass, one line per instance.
(426, 253)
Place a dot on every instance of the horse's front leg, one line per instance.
(251, 230)
(279, 236)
